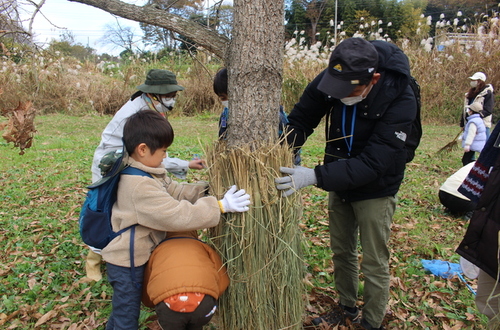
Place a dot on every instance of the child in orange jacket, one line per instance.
(183, 279)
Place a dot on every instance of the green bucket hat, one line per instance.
(160, 82)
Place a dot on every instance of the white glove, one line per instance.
(234, 201)
(299, 177)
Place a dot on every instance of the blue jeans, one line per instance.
(126, 299)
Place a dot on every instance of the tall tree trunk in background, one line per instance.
(255, 71)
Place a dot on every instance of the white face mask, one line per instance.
(473, 83)
(165, 104)
(352, 100)
(225, 104)
(168, 102)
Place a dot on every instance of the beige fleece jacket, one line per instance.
(157, 205)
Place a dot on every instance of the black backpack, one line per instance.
(413, 139)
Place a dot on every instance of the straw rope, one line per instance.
(261, 247)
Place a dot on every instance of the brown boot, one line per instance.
(93, 266)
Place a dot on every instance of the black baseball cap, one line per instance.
(352, 63)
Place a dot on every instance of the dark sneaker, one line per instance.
(366, 325)
(338, 316)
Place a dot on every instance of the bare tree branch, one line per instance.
(6, 32)
(203, 36)
(32, 18)
(11, 24)
(120, 36)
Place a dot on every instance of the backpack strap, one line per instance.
(133, 171)
(137, 284)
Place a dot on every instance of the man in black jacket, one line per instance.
(369, 108)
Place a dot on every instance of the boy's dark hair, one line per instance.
(220, 82)
(149, 127)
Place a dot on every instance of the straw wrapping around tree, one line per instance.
(261, 247)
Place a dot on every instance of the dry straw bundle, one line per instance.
(261, 247)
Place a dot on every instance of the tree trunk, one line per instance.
(261, 246)
(203, 36)
(255, 71)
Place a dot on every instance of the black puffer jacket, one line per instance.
(374, 166)
(480, 243)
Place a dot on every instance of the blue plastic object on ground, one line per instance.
(442, 268)
(445, 269)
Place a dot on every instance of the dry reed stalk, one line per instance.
(261, 247)
(450, 146)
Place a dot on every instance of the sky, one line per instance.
(86, 23)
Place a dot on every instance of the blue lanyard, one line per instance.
(349, 141)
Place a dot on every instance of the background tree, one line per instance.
(296, 19)
(389, 18)
(314, 11)
(348, 15)
(11, 28)
(159, 37)
(472, 12)
(309, 16)
(121, 37)
(68, 47)
(221, 19)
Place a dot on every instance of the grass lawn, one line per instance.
(42, 267)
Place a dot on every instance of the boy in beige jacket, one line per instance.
(155, 205)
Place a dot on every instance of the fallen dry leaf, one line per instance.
(47, 316)
(20, 128)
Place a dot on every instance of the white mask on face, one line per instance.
(225, 104)
(352, 100)
(168, 102)
(473, 83)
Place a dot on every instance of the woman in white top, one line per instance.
(480, 94)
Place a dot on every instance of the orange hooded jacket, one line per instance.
(180, 264)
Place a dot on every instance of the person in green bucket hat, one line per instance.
(158, 92)
(160, 86)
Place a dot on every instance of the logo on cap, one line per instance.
(338, 67)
